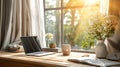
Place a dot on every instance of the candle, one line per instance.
(66, 49)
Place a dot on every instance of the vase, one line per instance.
(52, 45)
(100, 49)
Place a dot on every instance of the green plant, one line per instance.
(102, 26)
(87, 42)
(72, 34)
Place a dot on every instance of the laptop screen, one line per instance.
(31, 44)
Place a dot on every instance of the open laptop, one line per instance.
(32, 46)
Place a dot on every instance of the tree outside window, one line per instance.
(68, 20)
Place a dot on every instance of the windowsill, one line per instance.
(73, 50)
(59, 50)
(82, 50)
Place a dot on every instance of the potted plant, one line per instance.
(101, 27)
(52, 45)
(49, 37)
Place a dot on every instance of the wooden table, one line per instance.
(56, 60)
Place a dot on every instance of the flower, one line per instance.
(102, 26)
(49, 36)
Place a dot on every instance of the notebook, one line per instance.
(96, 62)
(32, 46)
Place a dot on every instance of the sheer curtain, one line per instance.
(21, 18)
(37, 18)
(104, 6)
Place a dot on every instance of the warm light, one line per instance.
(91, 2)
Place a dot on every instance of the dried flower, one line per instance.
(102, 26)
(49, 36)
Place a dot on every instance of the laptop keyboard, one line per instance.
(41, 53)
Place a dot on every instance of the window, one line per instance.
(67, 20)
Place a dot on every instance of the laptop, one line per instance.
(32, 46)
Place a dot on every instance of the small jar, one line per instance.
(66, 49)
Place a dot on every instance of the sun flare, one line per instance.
(91, 2)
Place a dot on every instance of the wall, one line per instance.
(114, 7)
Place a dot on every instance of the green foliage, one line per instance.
(72, 33)
(75, 33)
(87, 42)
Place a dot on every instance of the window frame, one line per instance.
(62, 25)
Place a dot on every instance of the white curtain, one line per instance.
(37, 12)
(104, 6)
(26, 18)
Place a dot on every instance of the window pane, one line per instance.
(52, 3)
(76, 21)
(72, 27)
(52, 25)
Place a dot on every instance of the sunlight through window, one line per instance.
(72, 20)
(91, 2)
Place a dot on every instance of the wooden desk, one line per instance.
(56, 60)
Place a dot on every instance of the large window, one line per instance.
(67, 20)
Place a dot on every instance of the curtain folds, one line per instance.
(37, 19)
(18, 18)
(5, 22)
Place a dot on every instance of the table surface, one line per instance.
(58, 60)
